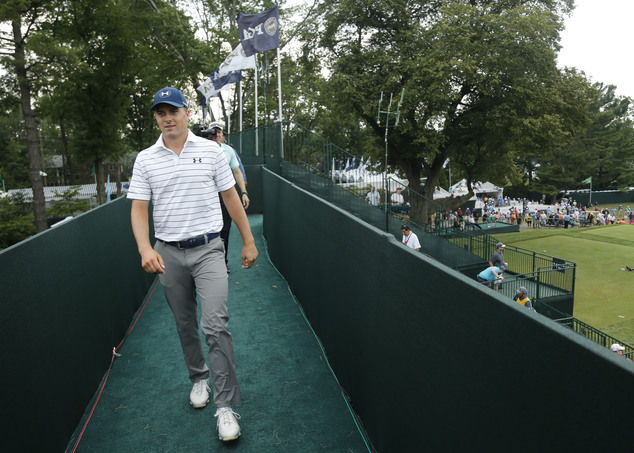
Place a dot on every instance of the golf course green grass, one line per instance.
(604, 287)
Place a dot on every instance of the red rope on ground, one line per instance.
(114, 354)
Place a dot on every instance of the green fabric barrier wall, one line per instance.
(67, 301)
(608, 197)
(254, 187)
(432, 361)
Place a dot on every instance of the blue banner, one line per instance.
(230, 77)
(259, 32)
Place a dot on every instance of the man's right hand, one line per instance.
(152, 262)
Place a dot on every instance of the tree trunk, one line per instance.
(101, 183)
(68, 161)
(35, 163)
(118, 179)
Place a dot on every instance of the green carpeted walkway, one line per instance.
(292, 403)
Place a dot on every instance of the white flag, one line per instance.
(236, 61)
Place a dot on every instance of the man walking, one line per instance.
(409, 238)
(216, 133)
(184, 176)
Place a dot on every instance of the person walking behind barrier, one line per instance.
(373, 196)
(521, 297)
(497, 258)
(617, 348)
(216, 133)
(492, 275)
(410, 239)
(184, 175)
(396, 198)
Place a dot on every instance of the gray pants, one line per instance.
(202, 270)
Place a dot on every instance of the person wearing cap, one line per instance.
(617, 348)
(521, 297)
(184, 176)
(216, 133)
(409, 238)
(492, 275)
(396, 198)
(497, 258)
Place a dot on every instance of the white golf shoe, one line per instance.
(228, 428)
(199, 396)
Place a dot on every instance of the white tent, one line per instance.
(366, 178)
(441, 193)
(460, 188)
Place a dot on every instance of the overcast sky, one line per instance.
(598, 39)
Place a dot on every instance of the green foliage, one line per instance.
(482, 88)
(603, 149)
(68, 205)
(16, 223)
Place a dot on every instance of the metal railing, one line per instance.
(319, 166)
(301, 146)
(542, 284)
(592, 333)
(548, 270)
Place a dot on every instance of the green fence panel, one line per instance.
(431, 360)
(68, 296)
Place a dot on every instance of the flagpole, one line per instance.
(256, 104)
(240, 113)
(591, 192)
(279, 91)
(228, 110)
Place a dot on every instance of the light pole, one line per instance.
(387, 113)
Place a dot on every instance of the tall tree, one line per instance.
(480, 78)
(603, 150)
(25, 18)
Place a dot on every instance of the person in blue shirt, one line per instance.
(492, 275)
(216, 133)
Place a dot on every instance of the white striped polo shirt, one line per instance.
(183, 189)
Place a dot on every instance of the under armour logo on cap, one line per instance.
(171, 96)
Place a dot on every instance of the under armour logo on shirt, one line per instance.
(198, 160)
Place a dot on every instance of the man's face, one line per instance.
(172, 121)
(405, 232)
(219, 136)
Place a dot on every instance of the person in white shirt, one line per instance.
(183, 176)
(373, 196)
(410, 239)
(396, 198)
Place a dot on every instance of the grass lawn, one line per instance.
(604, 287)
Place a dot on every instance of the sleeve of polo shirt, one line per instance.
(224, 175)
(139, 185)
(230, 156)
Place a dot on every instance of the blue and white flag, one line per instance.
(259, 32)
(221, 80)
(207, 89)
(108, 189)
(353, 166)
